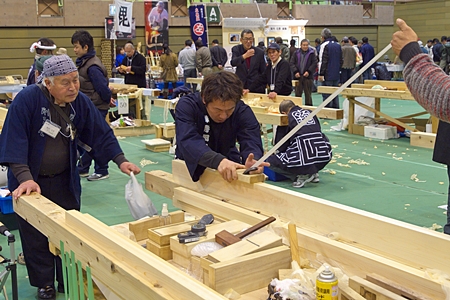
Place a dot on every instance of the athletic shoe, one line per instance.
(301, 180)
(84, 175)
(95, 177)
(316, 178)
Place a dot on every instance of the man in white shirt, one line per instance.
(186, 58)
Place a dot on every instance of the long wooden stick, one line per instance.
(322, 105)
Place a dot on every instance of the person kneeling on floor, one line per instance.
(306, 153)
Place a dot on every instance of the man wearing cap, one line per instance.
(44, 126)
(94, 84)
(277, 74)
(248, 60)
(44, 46)
(303, 65)
(219, 56)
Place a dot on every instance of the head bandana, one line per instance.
(39, 46)
(58, 65)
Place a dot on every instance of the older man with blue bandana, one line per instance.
(45, 124)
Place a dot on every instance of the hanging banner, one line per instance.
(112, 34)
(124, 16)
(213, 13)
(156, 25)
(197, 17)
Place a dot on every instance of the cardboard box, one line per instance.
(382, 132)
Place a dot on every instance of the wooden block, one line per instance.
(423, 139)
(168, 130)
(233, 226)
(161, 235)
(258, 242)
(157, 145)
(253, 178)
(140, 227)
(162, 251)
(347, 293)
(394, 287)
(249, 272)
(272, 118)
(368, 289)
(180, 260)
(284, 273)
(158, 132)
(358, 129)
(135, 130)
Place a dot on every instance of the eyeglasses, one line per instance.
(247, 39)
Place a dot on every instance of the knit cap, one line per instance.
(39, 64)
(58, 65)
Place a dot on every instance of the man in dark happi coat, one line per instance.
(209, 124)
(306, 153)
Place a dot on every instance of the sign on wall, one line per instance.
(213, 13)
(197, 17)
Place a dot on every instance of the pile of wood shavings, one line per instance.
(343, 165)
(435, 227)
(145, 162)
(416, 179)
(358, 161)
(332, 172)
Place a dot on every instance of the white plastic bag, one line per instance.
(359, 111)
(3, 176)
(139, 203)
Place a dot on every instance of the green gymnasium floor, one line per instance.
(384, 187)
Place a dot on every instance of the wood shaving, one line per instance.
(254, 102)
(355, 142)
(334, 146)
(145, 162)
(407, 204)
(441, 182)
(120, 137)
(398, 158)
(325, 123)
(332, 161)
(435, 227)
(395, 146)
(337, 155)
(403, 153)
(416, 179)
(382, 173)
(358, 162)
(332, 172)
(273, 109)
(343, 165)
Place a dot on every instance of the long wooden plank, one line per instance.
(151, 268)
(264, 98)
(400, 95)
(353, 260)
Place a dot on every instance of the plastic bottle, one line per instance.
(121, 122)
(327, 285)
(164, 219)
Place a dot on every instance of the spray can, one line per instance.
(327, 285)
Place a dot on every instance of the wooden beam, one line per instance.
(400, 95)
(327, 113)
(264, 98)
(347, 293)
(423, 139)
(109, 254)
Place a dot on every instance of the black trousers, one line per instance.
(41, 264)
(304, 85)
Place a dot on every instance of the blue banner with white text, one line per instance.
(197, 17)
